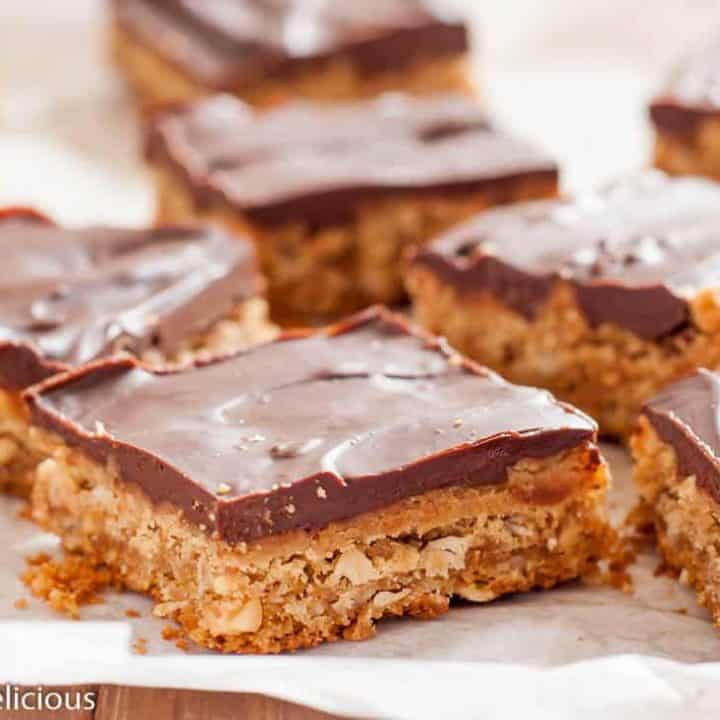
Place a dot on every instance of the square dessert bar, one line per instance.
(334, 194)
(602, 299)
(68, 296)
(676, 452)
(686, 116)
(266, 51)
(303, 489)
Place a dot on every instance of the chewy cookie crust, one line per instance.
(169, 295)
(332, 218)
(376, 474)
(173, 51)
(677, 474)
(604, 299)
(545, 526)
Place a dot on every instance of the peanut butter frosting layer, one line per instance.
(306, 430)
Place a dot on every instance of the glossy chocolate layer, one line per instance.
(232, 44)
(632, 252)
(307, 430)
(68, 296)
(686, 416)
(692, 92)
(315, 163)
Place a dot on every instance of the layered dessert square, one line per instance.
(603, 299)
(267, 51)
(686, 115)
(333, 195)
(676, 452)
(301, 490)
(69, 296)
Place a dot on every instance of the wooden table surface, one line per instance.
(134, 703)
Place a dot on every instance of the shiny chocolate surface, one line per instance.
(633, 252)
(68, 296)
(309, 429)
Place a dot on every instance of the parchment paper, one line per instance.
(69, 145)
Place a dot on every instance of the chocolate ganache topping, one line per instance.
(692, 92)
(306, 430)
(686, 416)
(231, 44)
(632, 252)
(314, 163)
(68, 296)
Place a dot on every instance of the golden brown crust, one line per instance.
(686, 519)
(302, 588)
(607, 371)
(157, 81)
(17, 460)
(67, 584)
(316, 277)
(694, 152)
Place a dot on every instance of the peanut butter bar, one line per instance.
(267, 51)
(301, 490)
(602, 299)
(69, 296)
(333, 195)
(686, 116)
(676, 450)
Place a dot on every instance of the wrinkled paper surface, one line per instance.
(69, 145)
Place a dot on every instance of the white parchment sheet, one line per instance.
(572, 76)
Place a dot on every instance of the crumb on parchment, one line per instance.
(664, 570)
(612, 570)
(170, 632)
(67, 583)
